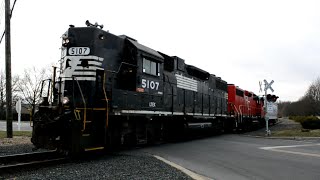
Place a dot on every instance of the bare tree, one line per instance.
(313, 97)
(309, 104)
(314, 90)
(30, 86)
(15, 94)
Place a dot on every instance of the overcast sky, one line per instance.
(242, 41)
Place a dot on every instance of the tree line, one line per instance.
(25, 87)
(307, 105)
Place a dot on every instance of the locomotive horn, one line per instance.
(88, 23)
(95, 24)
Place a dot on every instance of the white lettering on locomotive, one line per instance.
(149, 84)
(76, 51)
(152, 104)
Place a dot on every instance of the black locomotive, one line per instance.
(112, 90)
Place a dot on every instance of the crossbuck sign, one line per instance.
(268, 85)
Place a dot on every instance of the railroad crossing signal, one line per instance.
(268, 85)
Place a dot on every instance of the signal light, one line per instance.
(272, 98)
(269, 97)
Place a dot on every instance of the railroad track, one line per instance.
(9, 163)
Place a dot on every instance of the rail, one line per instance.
(9, 163)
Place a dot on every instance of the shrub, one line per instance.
(311, 124)
(307, 122)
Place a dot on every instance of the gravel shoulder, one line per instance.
(116, 166)
(121, 165)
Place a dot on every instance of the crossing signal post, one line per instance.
(266, 98)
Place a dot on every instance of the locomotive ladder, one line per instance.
(88, 123)
(90, 131)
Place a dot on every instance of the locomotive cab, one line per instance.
(73, 116)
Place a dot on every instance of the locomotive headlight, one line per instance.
(65, 100)
(65, 42)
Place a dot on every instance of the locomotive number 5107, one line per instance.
(148, 84)
(76, 51)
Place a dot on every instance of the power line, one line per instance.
(2, 10)
(4, 32)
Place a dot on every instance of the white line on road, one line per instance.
(300, 145)
(278, 149)
(184, 170)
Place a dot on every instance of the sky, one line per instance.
(243, 42)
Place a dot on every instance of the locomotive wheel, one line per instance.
(114, 139)
(129, 139)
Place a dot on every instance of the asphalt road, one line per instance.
(25, 126)
(236, 157)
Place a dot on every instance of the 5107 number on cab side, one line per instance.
(149, 84)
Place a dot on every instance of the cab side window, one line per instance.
(151, 67)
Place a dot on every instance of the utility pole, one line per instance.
(8, 69)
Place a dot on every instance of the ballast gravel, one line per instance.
(121, 165)
(15, 149)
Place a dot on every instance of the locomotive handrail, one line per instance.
(238, 113)
(51, 99)
(242, 106)
(241, 114)
(42, 87)
(84, 103)
(135, 66)
(106, 98)
(235, 108)
(31, 125)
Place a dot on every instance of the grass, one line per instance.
(3, 134)
(301, 119)
(297, 133)
(307, 122)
